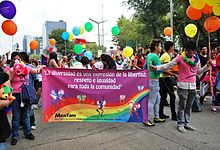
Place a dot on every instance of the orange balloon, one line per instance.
(34, 45)
(212, 24)
(9, 27)
(207, 9)
(193, 14)
(168, 31)
(52, 42)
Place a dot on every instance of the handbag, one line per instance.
(28, 94)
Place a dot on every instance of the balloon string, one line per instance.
(210, 71)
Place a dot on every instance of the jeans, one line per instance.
(186, 98)
(16, 115)
(3, 146)
(154, 98)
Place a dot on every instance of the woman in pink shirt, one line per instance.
(16, 82)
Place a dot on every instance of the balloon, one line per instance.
(76, 31)
(82, 30)
(115, 30)
(197, 4)
(78, 49)
(211, 2)
(50, 49)
(193, 14)
(88, 26)
(88, 54)
(168, 31)
(127, 52)
(34, 45)
(65, 36)
(7, 9)
(84, 46)
(207, 9)
(71, 36)
(212, 24)
(9, 27)
(52, 42)
(216, 9)
(191, 30)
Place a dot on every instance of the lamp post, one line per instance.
(171, 17)
(98, 28)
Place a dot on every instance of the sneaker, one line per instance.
(30, 136)
(163, 116)
(181, 129)
(149, 124)
(213, 107)
(14, 141)
(189, 127)
(158, 120)
(33, 127)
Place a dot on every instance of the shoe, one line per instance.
(14, 141)
(189, 127)
(174, 118)
(30, 136)
(149, 124)
(181, 129)
(33, 127)
(213, 107)
(159, 120)
(163, 116)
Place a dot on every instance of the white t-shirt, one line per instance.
(99, 65)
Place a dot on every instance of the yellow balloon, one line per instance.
(216, 9)
(71, 36)
(82, 30)
(127, 52)
(84, 46)
(212, 2)
(191, 30)
(197, 4)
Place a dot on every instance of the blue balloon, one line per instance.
(7, 9)
(65, 36)
(88, 54)
(76, 31)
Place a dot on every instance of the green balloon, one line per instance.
(115, 30)
(78, 49)
(88, 26)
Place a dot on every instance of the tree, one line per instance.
(35, 56)
(93, 47)
(60, 45)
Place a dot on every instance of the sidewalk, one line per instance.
(126, 136)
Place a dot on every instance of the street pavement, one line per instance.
(125, 136)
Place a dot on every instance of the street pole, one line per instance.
(171, 18)
(98, 28)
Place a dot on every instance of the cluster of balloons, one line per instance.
(195, 11)
(8, 11)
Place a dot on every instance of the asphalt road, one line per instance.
(125, 136)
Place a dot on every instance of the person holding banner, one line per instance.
(190, 68)
(154, 96)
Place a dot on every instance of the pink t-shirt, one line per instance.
(16, 82)
(187, 73)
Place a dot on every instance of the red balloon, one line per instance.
(50, 49)
(207, 9)
(9, 27)
(34, 45)
(193, 14)
(212, 24)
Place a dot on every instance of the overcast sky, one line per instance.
(31, 15)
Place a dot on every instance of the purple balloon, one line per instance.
(7, 9)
